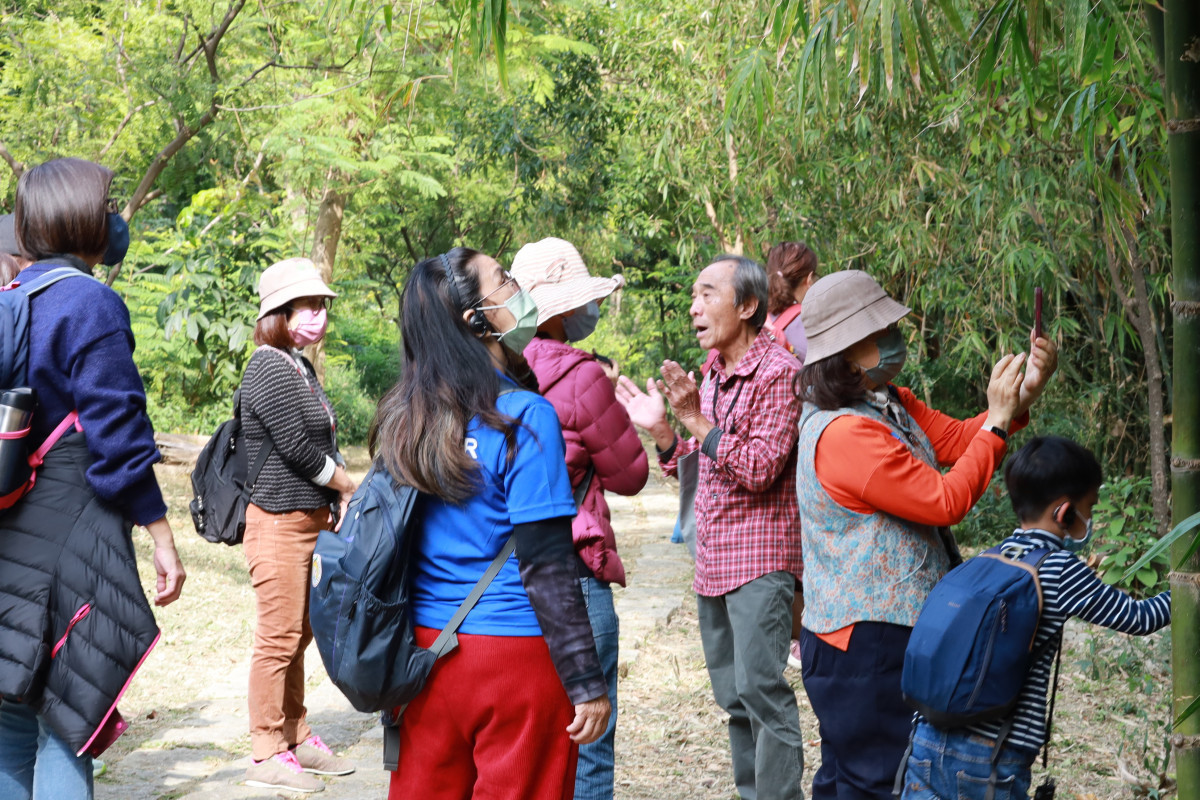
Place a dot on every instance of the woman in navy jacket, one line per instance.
(74, 621)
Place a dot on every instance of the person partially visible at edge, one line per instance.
(75, 623)
(748, 561)
(502, 715)
(301, 488)
(598, 436)
(874, 511)
(1053, 484)
(791, 271)
(11, 260)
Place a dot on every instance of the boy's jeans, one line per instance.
(956, 765)
(35, 762)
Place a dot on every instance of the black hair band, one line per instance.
(451, 281)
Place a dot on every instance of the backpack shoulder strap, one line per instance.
(48, 279)
(786, 317)
(447, 640)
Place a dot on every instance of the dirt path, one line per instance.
(188, 734)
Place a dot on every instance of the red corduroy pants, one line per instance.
(489, 725)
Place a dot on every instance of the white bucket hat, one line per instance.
(553, 272)
(286, 280)
(842, 309)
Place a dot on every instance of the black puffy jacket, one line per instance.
(74, 621)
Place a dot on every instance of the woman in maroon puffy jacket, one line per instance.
(602, 449)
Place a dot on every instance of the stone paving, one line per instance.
(200, 757)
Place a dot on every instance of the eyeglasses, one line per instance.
(314, 302)
(112, 206)
(506, 279)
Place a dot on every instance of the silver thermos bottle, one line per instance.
(16, 410)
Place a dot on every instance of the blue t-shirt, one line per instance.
(456, 543)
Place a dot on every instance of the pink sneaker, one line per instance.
(794, 654)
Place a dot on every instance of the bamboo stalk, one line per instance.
(1182, 68)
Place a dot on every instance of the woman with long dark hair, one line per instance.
(75, 624)
(503, 714)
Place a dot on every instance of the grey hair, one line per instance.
(749, 282)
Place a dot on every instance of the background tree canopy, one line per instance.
(962, 154)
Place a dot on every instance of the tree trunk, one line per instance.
(1182, 101)
(324, 252)
(1141, 316)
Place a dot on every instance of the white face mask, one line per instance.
(580, 325)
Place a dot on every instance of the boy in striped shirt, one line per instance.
(1053, 484)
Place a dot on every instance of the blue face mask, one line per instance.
(1073, 545)
(118, 240)
(580, 325)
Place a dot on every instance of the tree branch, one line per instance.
(16, 166)
(184, 131)
(128, 118)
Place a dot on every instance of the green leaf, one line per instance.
(950, 14)
(886, 21)
(1164, 544)
(1187, 712)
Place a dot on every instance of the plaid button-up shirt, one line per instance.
(747, 517)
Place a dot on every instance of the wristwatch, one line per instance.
(1003, 434)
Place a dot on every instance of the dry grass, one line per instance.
(671, 743)
(1111, 714)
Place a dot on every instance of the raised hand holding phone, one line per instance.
(1043, 358)
(1037, 312)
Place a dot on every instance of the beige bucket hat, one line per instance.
(843, 308)
(286, 280)
(554, 273)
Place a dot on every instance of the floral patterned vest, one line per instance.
(863, 567)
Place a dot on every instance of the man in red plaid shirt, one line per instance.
(743, 422)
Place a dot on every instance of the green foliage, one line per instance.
(362, 362)
(1125, 528)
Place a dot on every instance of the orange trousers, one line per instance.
(279, 550)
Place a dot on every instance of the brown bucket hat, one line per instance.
(843, 308)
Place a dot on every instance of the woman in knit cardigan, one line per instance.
(302, 482)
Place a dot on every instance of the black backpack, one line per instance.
(359, 605)
(222, 481)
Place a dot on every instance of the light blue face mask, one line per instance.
(580, 325)
(525, 313)
(893, 352)
(1073, 545)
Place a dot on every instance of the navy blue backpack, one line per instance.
(972, 645)
(14, 369)
(359, 604)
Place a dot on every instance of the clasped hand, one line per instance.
(648, 411)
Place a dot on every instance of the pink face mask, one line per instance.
(307, 326)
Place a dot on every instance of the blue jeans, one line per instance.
(594, 774)
(35, 764)
(956, 765)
